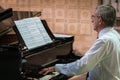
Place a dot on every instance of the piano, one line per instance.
(30, 62)
(10, 57)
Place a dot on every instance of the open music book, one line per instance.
(33, 32)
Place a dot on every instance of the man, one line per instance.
(102, 60)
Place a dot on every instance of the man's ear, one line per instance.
(100, 20)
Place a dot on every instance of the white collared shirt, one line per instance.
(102, 60)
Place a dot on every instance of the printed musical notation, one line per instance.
(33, 32)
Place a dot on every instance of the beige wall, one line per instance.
(63, 16)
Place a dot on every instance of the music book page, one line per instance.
(33, 32)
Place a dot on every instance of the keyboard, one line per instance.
(49, 76)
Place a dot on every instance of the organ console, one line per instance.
(27, 63)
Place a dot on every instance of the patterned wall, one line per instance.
(63, 16)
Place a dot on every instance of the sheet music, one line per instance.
(33, 32)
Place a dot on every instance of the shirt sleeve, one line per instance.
(90, 60)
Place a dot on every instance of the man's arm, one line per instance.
(90, 60)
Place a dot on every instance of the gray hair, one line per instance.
(107, 13)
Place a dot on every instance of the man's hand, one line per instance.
(47, 70)
(79, 77)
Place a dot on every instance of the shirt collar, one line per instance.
(103, 31)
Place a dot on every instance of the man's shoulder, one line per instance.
(111, 36)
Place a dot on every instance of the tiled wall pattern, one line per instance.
(63, 16)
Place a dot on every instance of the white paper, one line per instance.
(33, 32)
